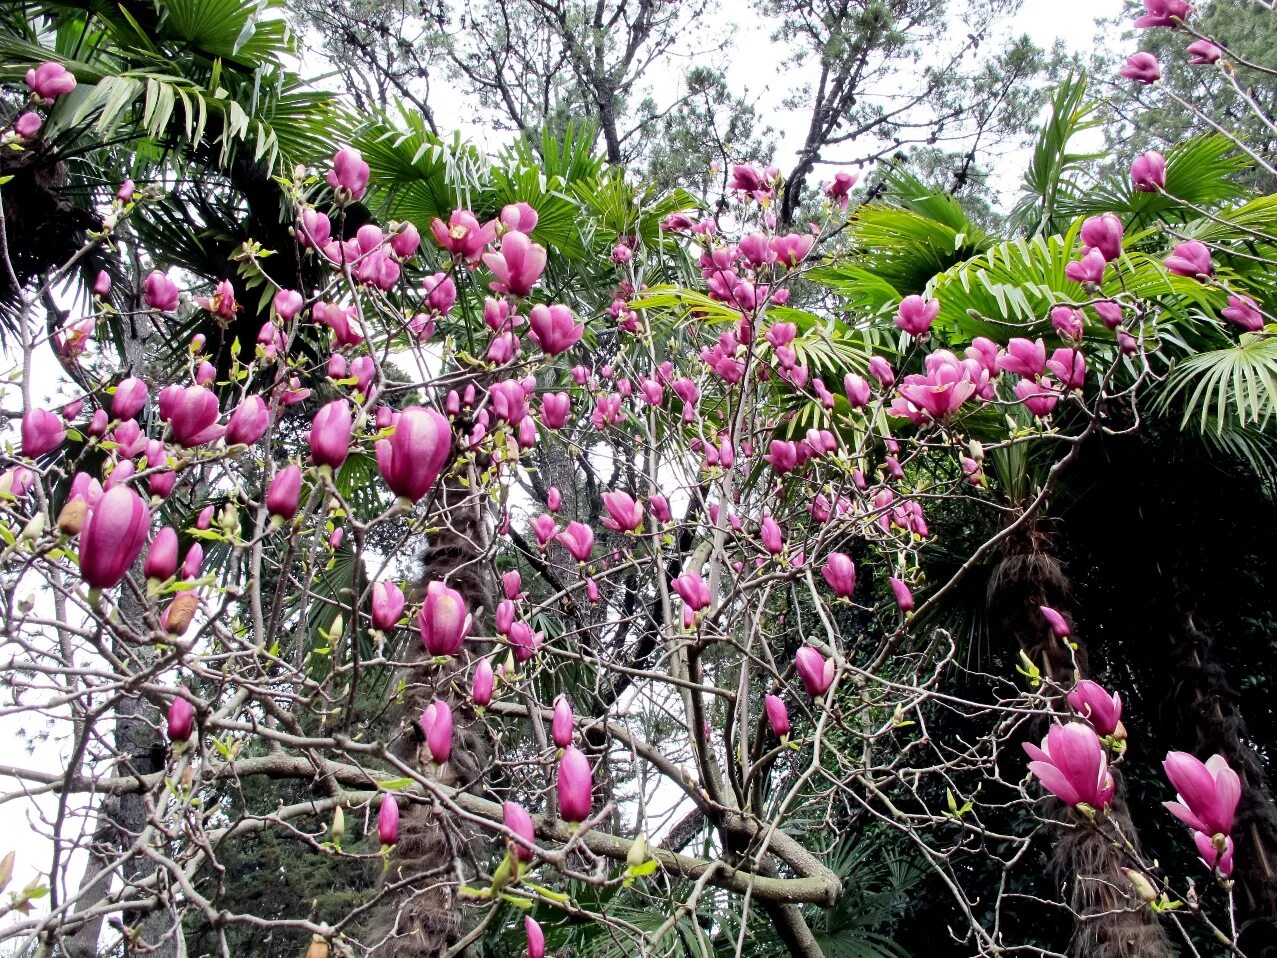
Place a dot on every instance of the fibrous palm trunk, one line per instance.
(1109, 922)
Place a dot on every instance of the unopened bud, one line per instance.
(177, 618)
(1144, 889)
(71, 518)
(6, 870)
(339, 824)
(977, 450)
(638, 851)
(34, 528)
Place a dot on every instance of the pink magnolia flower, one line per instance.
(554, 328)
(915, 314)
(660, 507)
(1243, 311)
(1207, 793)
(1089, 269)
(575, 785)
(316, 229)
(330, 433)
(857, 389)
(792, 248)
(512, 584)
(839, 188)
(578, 539)
(1094, 703)
(1067, 320)
(192, 414)
(349, 172)
(27, 125)
(1039, 400)
(519, 217)
(388, 820)
(42, 431)
(777, 715)
(288, 303)
(1203, 53)
(556, 408)
(1148, 172)
(1190, 259)
(840, 572)
(405, 241)
(161, 558)
(249, 422)
(904, 597)
(881, 370)
(1110, 313)
(518, 821)
(518, 265)
(180, 720)
(562, 726)
(102, 283)
(523, 641)
(444, 621)
(624, 514)
(693, 590)
(1104, 233)
(415, 454)
(816, 672)
(113, 536)
(1058, 623)
(769, 533)
(50, 80)
(535, 936)
(130, 396)
(284, 492)
(1023, 357)
(436, 722)
(1068, 365)
(1142, 68)
(1162, 13)
(941, 392)
(482, 683)
(387, 605)
(160, 292)
(1072, 765)
(441, 292)
(544, 527)
(462, 236)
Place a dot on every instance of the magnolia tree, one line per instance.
(668, 640)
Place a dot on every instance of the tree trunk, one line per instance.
(1110, 921)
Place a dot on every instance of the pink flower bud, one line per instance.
(387, 605)
(816, 672)
(1067, 320)
(693, 590)
(284, 492)
(554, 328)
(1091, 701)
(42, 431)
(1142, 68)
(915, 314)
(563, 725)
(160, 292)
(904, 597)
(349, 172)
(777, 715)
(1190, 259)
(388, 820)
(50, 80)
(406, 241)
(248, 423)
(1163, 13)
(444, 622)
(518, 821)
(330, 433)
(1203, 53)
(1059, 625)
(1243, 311)
(192, 415)
(536, 937)
(1089, 269)
(518, 265)
(840, 572)
(130, 396)
(624, 514)
(315, 228)
(161, 558)
(436, 722)
(520, 217)
(180, 721)
(1148, 172)
(416, 453)
(288, 303)
(1104, 233)
(113, 536)
(772, 538)
(481, 685)
(575, 785)
(27, 125)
